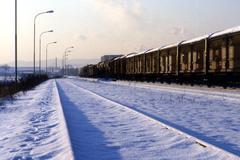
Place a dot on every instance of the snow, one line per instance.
(142, 52)
(33, 127)
(154, 49)
(102, 129)
(137, 54)
(212, 116)
(170, 46)
(196, 39)
(176, 44)
(227, 31)
(119, 57)
(86, 119)
(130, 55)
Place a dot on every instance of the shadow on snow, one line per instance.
(87, 141)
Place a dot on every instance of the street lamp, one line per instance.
(65, 55)
(34, 36)
(16, 41)
(64, 61)
(66, 69)
(40, 47)
(47, 53)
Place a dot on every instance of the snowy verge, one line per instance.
(32, 126)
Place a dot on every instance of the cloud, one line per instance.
(178, 30)
(181, 33)
(82, 37)
(142, 48)
(123, 12)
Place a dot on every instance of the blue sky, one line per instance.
(97, 27)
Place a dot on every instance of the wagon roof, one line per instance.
(120, 57)
(170, 46)
(227, 31)
(153, 50)
(142, 52)
(196, 39)
(130, 55)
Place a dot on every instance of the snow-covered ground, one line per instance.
(210, 115)
(102, 129)
(32, 126)
(95, 120)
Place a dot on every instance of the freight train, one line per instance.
(212, 58)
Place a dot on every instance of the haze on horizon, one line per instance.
(98, 27)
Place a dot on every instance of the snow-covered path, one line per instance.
(208, 115)
(33, 127)
(102, 129)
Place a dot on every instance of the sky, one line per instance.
(99, 27)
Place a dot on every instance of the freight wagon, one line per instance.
(212, 58)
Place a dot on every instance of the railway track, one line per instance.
(161, 123)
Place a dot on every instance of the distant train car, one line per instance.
(101, 69)
(196, 54)
(192, 57)
(152, 63)
(224, 55)
(89, 71)
(168, 60)
(116, 67)
(224, 52)
(122, 62)
(119, 67)
(107, 68)
(139, 65)
(130, 69)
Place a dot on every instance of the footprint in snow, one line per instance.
(22, 158)
(14, 150)
(23, 145)
(30, 139)
(4, 139)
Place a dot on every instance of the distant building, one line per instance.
(109, 57)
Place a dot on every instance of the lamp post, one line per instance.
(40, 47)
(47, 53)
(34, 36)
(66, 63)
(65, 55)
(64, 60)
(56, 64)
(63, 65)
(16, 70)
